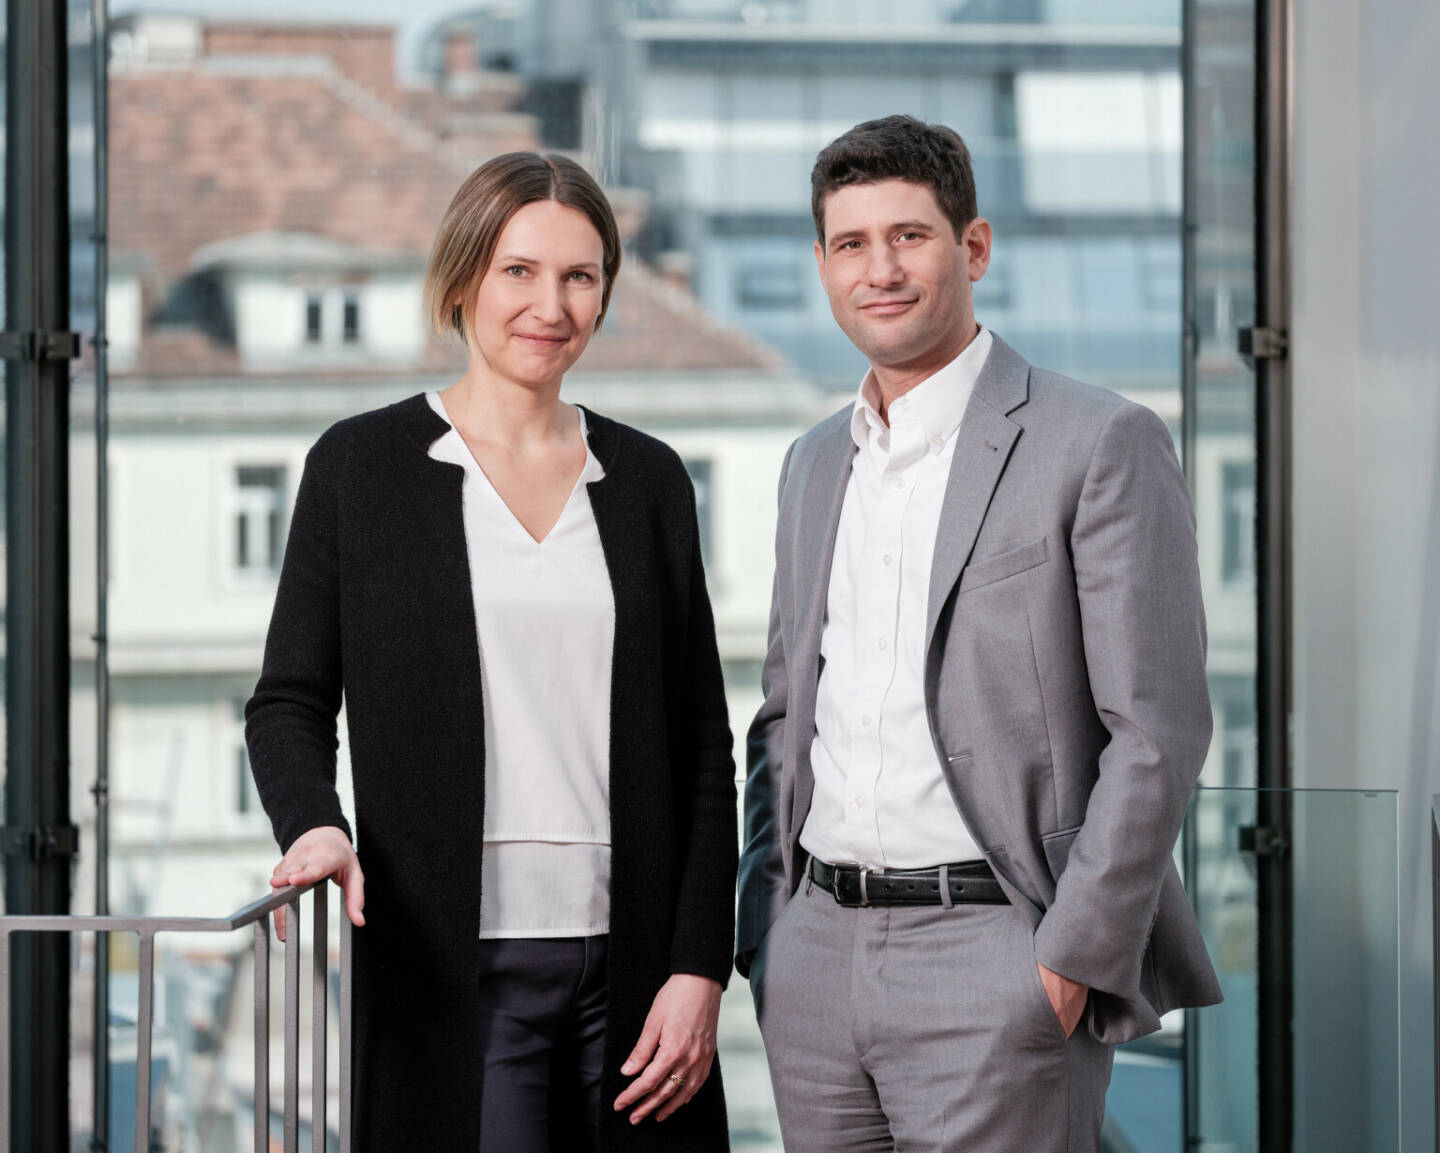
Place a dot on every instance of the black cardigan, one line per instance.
(374, 599)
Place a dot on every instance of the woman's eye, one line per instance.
(581, 276)
(516, 270)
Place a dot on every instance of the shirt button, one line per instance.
(865, 721)
(887, 558)
(880, 644)
(896, 482)
(938, 441)
(859, 802)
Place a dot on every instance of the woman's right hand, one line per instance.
(322, 852)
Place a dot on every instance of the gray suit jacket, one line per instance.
(1064, 680)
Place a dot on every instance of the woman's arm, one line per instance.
(676, 1049)
(290, 721)
(703, 943)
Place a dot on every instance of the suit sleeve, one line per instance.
(763, 890)
(705, 911)
(1143, 624)
(290, 721)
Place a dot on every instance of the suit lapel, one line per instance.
(986, 437)
(824, 493)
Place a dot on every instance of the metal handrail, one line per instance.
(256, 914)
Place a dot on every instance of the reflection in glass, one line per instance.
(1346, 867)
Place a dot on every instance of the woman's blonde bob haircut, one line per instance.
(490, 196)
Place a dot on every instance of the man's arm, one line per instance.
(1143, 624)
(762, 889)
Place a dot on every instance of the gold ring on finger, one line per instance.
(679, 1081)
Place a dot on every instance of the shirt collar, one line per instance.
(936, 404)
(451, 445)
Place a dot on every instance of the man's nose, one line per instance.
(884, 269)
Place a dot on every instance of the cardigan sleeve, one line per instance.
(705, 913)
(290, 721)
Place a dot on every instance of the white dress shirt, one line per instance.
(545, 614)
(880, 796)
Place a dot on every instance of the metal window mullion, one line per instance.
(1274, 678)
(37, 682)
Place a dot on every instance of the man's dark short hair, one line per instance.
(898, 148)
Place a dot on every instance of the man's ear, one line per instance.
(820, 260)
(976, 240)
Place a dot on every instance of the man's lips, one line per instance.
(887, 307)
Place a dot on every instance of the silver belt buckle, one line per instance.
(864, 893)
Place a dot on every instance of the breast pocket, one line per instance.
(1014, 561)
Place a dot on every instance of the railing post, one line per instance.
(262, 1035)
(4, 1040)
(319, 995)
(347, 1009)
(256, 917)
(143, 1028)
(292, 1027)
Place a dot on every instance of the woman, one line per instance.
(507, 591)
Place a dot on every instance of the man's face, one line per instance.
(897, 276)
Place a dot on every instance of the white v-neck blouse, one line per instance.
(545, 615)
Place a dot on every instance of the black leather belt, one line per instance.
(854, 886)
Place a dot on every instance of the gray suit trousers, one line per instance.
(920, 1030)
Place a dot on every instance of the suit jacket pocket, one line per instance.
(1057, 850)
(1007, 564)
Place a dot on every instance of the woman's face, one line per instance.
(537, 303)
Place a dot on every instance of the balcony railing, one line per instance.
(254, 916)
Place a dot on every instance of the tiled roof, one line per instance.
(302, 130)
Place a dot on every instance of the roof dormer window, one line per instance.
(332, 317)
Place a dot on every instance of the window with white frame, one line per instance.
(259, 511)
(332, 317)
(699, 471)
(314, 318)
(1237, 553)
(245, 797)
(350, 320)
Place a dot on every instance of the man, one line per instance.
(985, 707)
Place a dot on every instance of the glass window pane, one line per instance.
(262, 290)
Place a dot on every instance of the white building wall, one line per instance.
(123, 312)
(270, 321)
(269, 318)
(391, 322)
(187, 633)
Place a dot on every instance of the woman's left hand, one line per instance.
(675, 1050)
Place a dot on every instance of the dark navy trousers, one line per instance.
(542, 1037)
